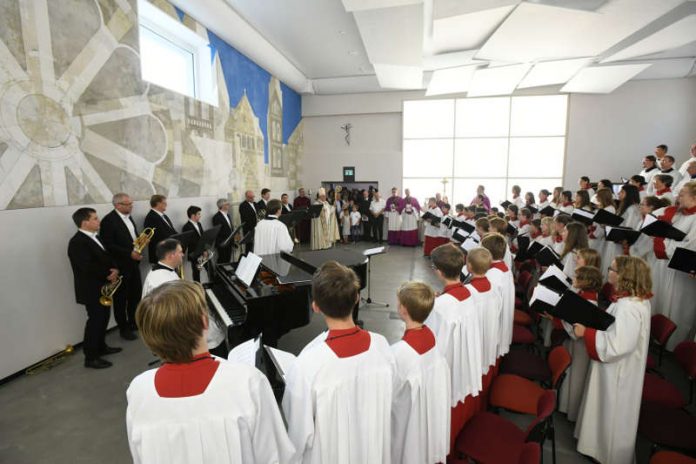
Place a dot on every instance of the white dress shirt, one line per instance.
(127, 221)
(93, 236)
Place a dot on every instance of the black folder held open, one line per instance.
(684, 260)
(658, 228)
(574, 309)
(619, 234)
(606, 218)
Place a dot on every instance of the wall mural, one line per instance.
(77, 122)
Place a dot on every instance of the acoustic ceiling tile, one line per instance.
(497, 81)
(603, 79)
(675, 35)
(452, 80)
(553, 72)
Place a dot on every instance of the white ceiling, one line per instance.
(494, 46)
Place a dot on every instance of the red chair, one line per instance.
(685, 354)
(661, 391)
(669, 428)
(522, 335)
(671, 457)
(523, 318)
(661, 329)
(531, 454)
(491, 439)
(528, 365)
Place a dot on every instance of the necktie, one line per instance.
(200, 229)
(166, 218)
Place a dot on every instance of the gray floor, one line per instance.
(75, 415)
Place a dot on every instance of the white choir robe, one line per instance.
(421, 410)
(324, 228)
(568, 209)
(545, 240)
(508, 258)
(568, 262)
(573, 387)
(648, 176)
(393, 219)
(543, 205)
(684, 180)
(338, 410)
(505, 285)
(685, 166)
(597, 243)
(236, 419)
(489, 308)
(632, 219)
(674, 292)
(431, 230)
(519, 202)
(409, 218)
(271, 237)
(667, 195)
(458, 335)
(608, 420)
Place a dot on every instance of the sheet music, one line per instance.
(649, 219)
(373, 251)
(245, 353)
(554, 271)
(583, 212)
(542, 293)
(469, 243)
(246, 269)
(283, 360)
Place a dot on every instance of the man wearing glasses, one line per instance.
(117, 232)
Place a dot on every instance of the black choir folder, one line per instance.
(547, 257)
(606, 218)
(619, 234)
(463, 225)
(534, 249)
(428, 216)
(683, 260)
(574, 309)
(658, 228)
(582, 215)
(547, 211)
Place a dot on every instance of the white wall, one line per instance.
(607, 134)
(38, 313)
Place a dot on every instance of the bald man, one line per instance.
(247, 212)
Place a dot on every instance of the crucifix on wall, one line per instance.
(347, 127)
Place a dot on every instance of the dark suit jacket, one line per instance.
(91, 266)
(225, 229)
(194, 241)
(261, 204)
(118, 241)
(286, 209)
(162, 231)
(248, 216)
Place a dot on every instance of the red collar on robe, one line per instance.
(641, 189)
(567, 203)
(482, 284)
(348, 342)
(421, 340)
(688, 211)
(523, 223)
(587, 188)
(544, 235)
(588, 295)
(558, 239)
(458, 291)
(186, 379)
(663, 191)
(500, 265)
(659, 247)
(535, 234)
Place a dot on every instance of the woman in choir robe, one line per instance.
(197, 408)
(517, 198)
(674, 292)
(559, 223)
(421, 407)
(512, 213)
(529, 200)
(546, 237)
(644, 245)
(582, 200)
(557, 198)
(608, 419)
(325, 227)
(566, 205)
(432, 236)
(604, 199)
(410, 212)
(587, 283)
(392, 211)
(543, 199)
(525, 225)
(662, 184)
(628, 209)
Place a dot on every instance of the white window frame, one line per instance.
(158, 22)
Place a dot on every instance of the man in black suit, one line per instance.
(161, 222)
(222, 218)
(117, 232)
(287, 207)
(364, 208)
(262, 204)
(92, 268)
(247, 213)
(194, 224)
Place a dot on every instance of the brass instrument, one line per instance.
(108, 290)
(260, 215)
(51, 361)
(143, 239)
(206, 256)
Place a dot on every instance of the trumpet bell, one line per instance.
(105, 300)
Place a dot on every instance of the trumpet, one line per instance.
(143, 239)
(48, 363)
(261, 214)
(204, 258)
(108, 290)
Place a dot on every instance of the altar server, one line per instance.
(270, 235)
(338, 394)
(392, 212)
(608, 418)
(169, 257)
(433, 237)
(197, 408)
(421, 409)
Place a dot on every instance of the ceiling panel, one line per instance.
(684, 51)
(553, 72)
(452, 80)
(352, 84)
(467, 31)
(399, 77)
(603, 79)
(393, 35)
(675, 35)
(666, 69)
(449, 60)
(359, 5)
(448, 8)
(496, 81)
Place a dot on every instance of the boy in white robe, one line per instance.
(608, 419)
(270, 235)
(196, 408)
(454, 321)
(501, 278)
(338, 394)
(432, 235)
(421, 407)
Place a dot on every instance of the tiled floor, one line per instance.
(75, 415)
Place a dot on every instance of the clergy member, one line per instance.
(303, 227)
(410, 212)
(272, 236)
(325, 226)
(392, 212)
(197, 408)
(608, 419)
(421, 410)
(338, 394)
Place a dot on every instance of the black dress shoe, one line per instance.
(97, 363)
(128, 335)
(111, 350)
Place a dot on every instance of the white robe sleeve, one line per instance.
(298, 406)
(619, 340)
(269, 440)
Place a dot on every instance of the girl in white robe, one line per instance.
(574, 239)
(643, 247)
(604, 199)
(608, 420)
(546, 237)
(628, 209)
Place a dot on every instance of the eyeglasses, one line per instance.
(126, 204)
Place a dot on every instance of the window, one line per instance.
(173, 56)
(453, 145)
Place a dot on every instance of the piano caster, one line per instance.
(370, 302)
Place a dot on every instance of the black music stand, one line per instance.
(369, 253)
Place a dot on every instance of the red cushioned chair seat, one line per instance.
(558, 336)
(522, 335)
(660, 391)
(527, 365)
(531, 454)
(673, 428)
(491, 439)
(671, 457)
(651, 363)
(518, 302)
(515, 394)
(522, 318)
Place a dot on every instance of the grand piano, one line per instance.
(279, 298)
